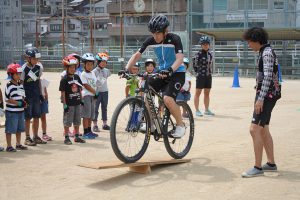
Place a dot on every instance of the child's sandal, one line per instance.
(10, 149)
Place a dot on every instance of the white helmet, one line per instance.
(150, 60)
(88, 57)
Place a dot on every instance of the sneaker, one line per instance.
(96, 129)
(38, 140)
(10, 149)
(67, 141)
(46, 137)
(88, 136)
(252, 173)
(209, 113)
(95, 134)
(198, 113)
(179, 132)
(1, 148)
(79, 140)
(106, 127)
(266, 167)
(29, 142)
(21, 147)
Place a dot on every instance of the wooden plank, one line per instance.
(143, 169)
(118, 164)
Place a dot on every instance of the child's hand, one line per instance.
(96, 95)
(22, 104)
(66, 108)
(42, 98)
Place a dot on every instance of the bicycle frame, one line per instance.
(147, 96)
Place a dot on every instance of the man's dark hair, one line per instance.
(256, 34)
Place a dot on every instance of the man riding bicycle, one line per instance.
(169, 51)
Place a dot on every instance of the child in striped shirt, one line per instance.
(14, 111)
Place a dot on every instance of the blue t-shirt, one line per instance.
(165, 51)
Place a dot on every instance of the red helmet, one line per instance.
(69, 60)
(75, 55)
(14, 68)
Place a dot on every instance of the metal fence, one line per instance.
(226, 58)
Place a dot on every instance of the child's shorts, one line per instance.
(44, 107)
(33, 109)
(72, 116)
(88, 109)
(183, 96)
(14, 122)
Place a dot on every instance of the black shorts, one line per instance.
(264, 117)
(169, 87)
(203, 82)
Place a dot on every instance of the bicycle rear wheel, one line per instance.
(127, 141)
(179, 147)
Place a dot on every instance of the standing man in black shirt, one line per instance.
(268, 91)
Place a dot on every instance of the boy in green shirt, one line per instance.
(133, 83)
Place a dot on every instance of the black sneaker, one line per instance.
(79, 140)
(105, 127)
(67, 141)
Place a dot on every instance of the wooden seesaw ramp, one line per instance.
(143, 167)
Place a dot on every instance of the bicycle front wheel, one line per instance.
(128, 141)
(179, 147)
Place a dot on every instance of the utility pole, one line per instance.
(36, 24)
(121, 33)
(63, 27)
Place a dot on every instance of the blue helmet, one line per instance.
(32, 52)
(204, 40)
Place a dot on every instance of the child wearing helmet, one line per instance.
(133, 83)
(202, 64)
(32, 71)
(185, 94)
(150, 65)
(89, 94)
(14, 111)
(78, 71)
(101, 73)
(70, 88)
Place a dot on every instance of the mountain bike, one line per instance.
(129, 142)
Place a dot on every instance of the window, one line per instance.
(7, 24)
(99, 9)
(260, 4)
(71, 26)
(220, 4)
(17, 3)
(98, 26)
(278, 4)
(252, 4)
(55, 27)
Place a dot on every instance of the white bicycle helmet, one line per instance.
(88, 57)
(150, 60)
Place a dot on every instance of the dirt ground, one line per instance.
(221, 151)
